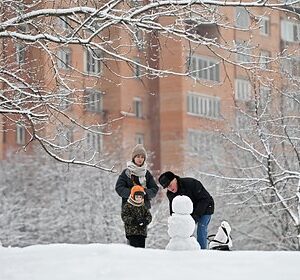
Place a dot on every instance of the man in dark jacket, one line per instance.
(203, 203)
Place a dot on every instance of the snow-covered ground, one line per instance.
(120, 262)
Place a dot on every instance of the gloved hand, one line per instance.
(141, 222)
(146, 194)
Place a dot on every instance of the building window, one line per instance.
(64, 26)
(136, 2)
(20, 53)
(23, 28)
(64, 136)
(201, 141)
(94, 142)
(65, 141)
(264, 26)
(139, 39)
(20, 134)
(242, 90)
(92, 61)
(64, 59)
(241, 121)
(137, 68)
(139, 138)
(265, 93)
(242, 17)
(62, 23)
(292, 101)
(204, 68)
(264, 59)
(290, 31)
(93, 100)
(291, 66)
(243, 52)
(20, 91)
(63, 98)
(204, 106)
(138, 107)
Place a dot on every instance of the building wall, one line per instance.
(165, 122)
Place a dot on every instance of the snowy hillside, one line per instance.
(120, 262)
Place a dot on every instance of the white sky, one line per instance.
(120, 262)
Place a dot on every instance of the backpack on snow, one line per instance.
(222, 240)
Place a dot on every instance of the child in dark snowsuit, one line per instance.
(136, 217)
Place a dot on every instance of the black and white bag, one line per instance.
(222, 240)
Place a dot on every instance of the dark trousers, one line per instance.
(137, 241)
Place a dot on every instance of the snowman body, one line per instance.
(181, 225)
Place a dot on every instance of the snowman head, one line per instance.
(182, 204)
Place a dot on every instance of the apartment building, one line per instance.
(193, 109)
(174, 116)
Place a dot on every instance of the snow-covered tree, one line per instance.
(42, 92)
(256, 167)
(46, 202)
(43, 201)
(42, 89)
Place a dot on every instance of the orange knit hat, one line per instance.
(137, 190)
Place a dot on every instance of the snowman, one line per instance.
(181, 225)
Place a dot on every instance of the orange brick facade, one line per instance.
(164, 121)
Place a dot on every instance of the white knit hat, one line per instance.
(139, 150)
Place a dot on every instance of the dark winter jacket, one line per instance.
(136, 219)
(203, 203)
(125, 183)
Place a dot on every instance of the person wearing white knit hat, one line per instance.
(137, 173)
